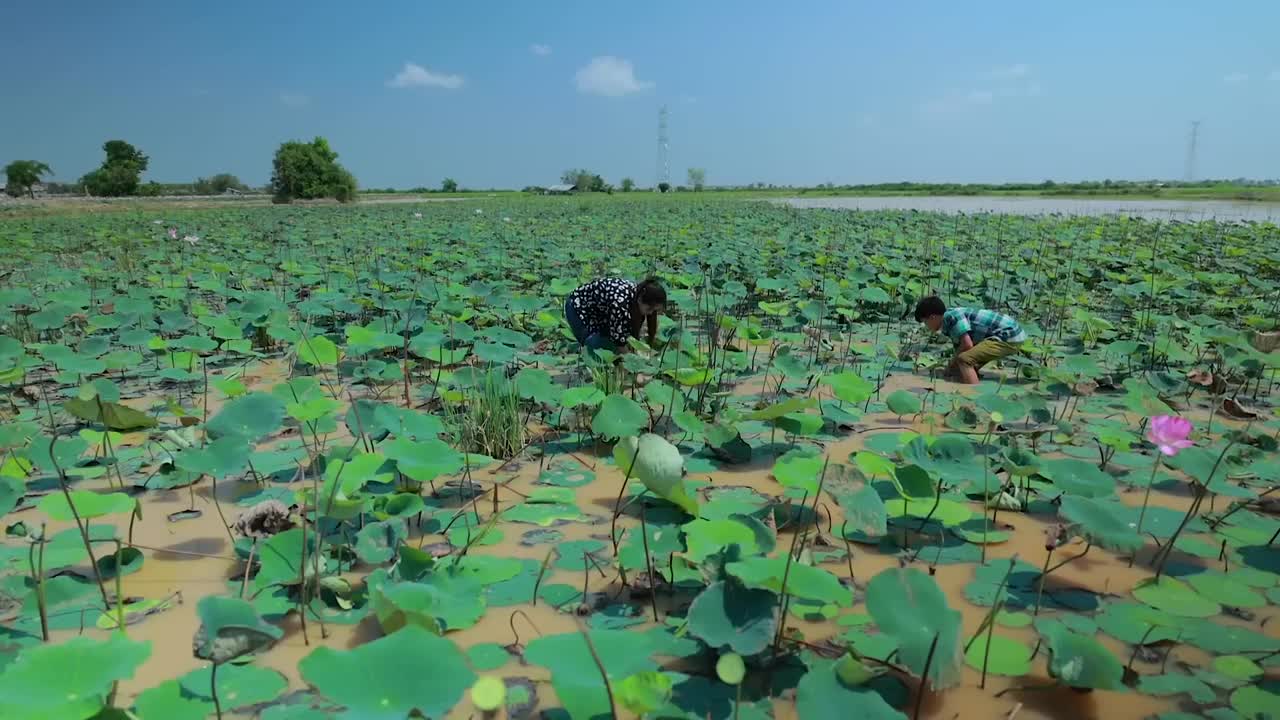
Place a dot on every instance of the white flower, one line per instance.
(191, 239)
(479, 211)
(157, 222)
(417, 215)
(506, 219)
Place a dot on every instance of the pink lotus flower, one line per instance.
(173, 233)
(1169, 433)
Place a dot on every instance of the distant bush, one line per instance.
(310, 171)
(218, 184)
(449, 185)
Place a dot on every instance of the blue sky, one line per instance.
(512, 93)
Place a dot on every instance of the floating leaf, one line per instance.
(251, 417)
(1006, 656)
(70, 679)
(87, 504)
(910, 606)
(727, 615)
(1082, 662)
(1174, 597)
(238, 685)
(391, 669)
(574, 674)
(802, 581)
(1103, 522)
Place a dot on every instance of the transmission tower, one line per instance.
(664, 163)
(1191, 150)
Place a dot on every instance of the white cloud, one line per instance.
(412, 75)
(1236, 78)
(609, 76)
(294, 99)
(1012, 72)
(540, 49)
(980, 97)
(1275, 76)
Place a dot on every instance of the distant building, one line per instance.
(561, 189)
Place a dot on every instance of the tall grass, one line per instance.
(489, 420)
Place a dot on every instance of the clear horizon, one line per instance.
(410, 93)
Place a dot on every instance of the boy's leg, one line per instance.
(989, 350)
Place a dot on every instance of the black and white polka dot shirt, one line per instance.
(605, 307)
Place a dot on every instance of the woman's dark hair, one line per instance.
(930, 306)
(651, 292)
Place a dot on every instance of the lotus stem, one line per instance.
(218, 506)
(38, 569)
(1043, 574)
(119, 591)
(82, 526)
(1146, 498)
(248, 567)
(302, 581)
(604, 675)
(648, 561)
(924, 678)
(213, 690)
(542, 571)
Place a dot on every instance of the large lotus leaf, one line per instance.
(821, 694)
(439, 602)
(1082, 662)
(281, 558)
(619, 416)
(802, 581)
(1258, 702)
(1134, 623)
(68, 680)
(728, 615)
(707, 537)
(799, 469)
(252, 417)
(376, 542)
(168, 701)
(786, 407)
(349, 476)
(1012, 410)
(88, 505)
(864, 511)
(391, 673)
(574, 674)
(903, 402)
(909, 605)
(423, 460)
(644, 692)
(1174, 597)
(231, 628)
(11, 491)
(1176, 684)
(65, 451)
(850, 387)
(221, 458)
(113, 415)
(582, 396)
(658, 465)
(536, 385)
(238, 685)
(1004, 656)
(317, 350)
(726, 443)
(914, 483)
(1104, 522)
(1225, 590)
(1077, 477)
(1219, 638)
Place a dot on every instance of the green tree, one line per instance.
(664, 186)
(23, 175)
(449, 185)
(120, 173)
(218, 184)
(308, 171)
(628, 184)
(583, 180)
(697, 178)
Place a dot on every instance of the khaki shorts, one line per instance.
(989, 350)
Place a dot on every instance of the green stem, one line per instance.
(1146, 498)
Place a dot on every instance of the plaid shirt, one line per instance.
(980, 325)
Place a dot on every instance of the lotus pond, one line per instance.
(297, 463)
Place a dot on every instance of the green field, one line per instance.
(347, 461)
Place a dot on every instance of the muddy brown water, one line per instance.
(194, 558)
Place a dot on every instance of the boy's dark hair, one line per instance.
(651, 292)
(930, 306)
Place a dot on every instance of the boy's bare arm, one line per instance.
(966, 343)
